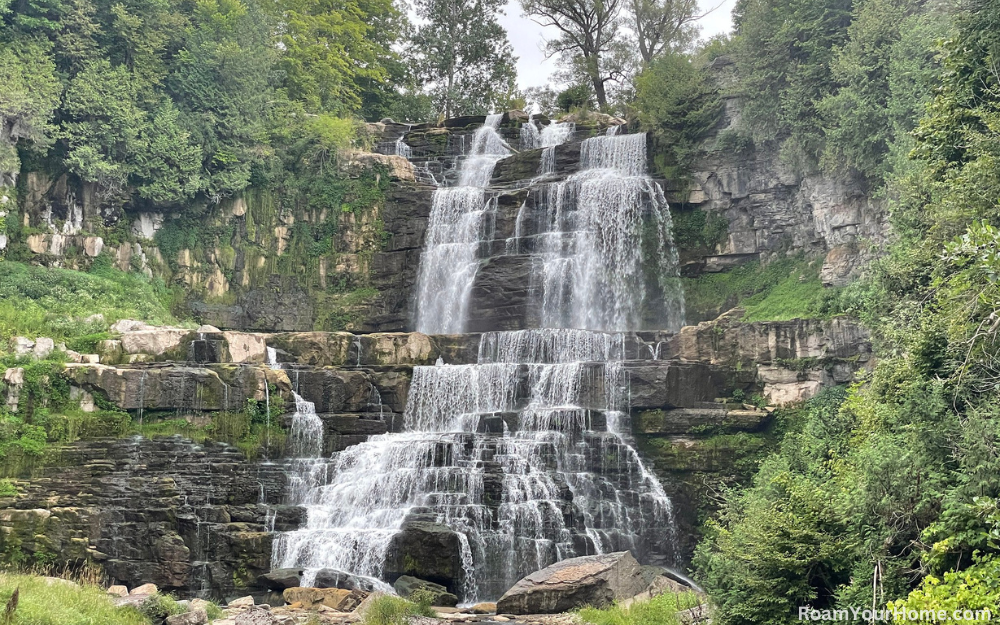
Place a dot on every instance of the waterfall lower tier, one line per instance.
(522, 455)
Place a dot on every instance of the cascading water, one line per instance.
(459, 216)
(525, 454)
(605, 229)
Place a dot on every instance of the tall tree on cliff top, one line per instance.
(661, 25)
(463, 52)
(588, 35)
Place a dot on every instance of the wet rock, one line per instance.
(332, 578)
(194, 617)
(420, 591)
(426, 550)
(280, 579)
(588, 580)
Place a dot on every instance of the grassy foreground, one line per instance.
(45, 601)
(389, 610)
(660, 610)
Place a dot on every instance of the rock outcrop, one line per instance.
(596, 581)
(166, 512)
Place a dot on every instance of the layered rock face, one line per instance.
(770, 208)
(509, 425)
(187, 517)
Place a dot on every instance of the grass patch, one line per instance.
(43, 602)
(785, 289)
(661, 610)
(43, 301)
(389, 610)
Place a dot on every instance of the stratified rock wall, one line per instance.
(183, 516)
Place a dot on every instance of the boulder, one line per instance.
(336, 598)
(118, 591)
(596, 581)
(280, 579)
(242, 602)
(43, 347)
(332, 578)
(422, 591)
(194, 617)
(426, 550)
(22, 346)
(485, 607)
(256, 616)
(145, 589)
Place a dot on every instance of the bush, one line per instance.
(389, 610)
(661, 610)
(45, 602)
(42, 301)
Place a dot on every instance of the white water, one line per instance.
(605, 225)
(459, 216)
(526, 453)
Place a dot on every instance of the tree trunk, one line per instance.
(602, 96)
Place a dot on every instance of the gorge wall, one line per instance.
(302, 275)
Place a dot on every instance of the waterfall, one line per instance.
(306, 437)
(526, 453)
(454, 232)
(607, 226)
(402, 149)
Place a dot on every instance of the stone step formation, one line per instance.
(465, 459)
(522, 458)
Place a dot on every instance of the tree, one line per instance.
(28, 98)
(784, 50)
(589, 32)
(663, 25)
(331, 47)
(678, 103)
(463, 52)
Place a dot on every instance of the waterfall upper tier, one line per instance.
(585, 244)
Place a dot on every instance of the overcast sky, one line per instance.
(527, 36)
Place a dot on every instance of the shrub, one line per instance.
(661, 610)
(389, 610)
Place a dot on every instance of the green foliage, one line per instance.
(799, 296)
(680, 106)
(160, 606)
(29, 97)
(59, 303)
(784, 51)
(787, 288)
(463, 52)
(389, 610)
(45, 602)
(660, 610)
(694, 229)
(892, 493)
(334, 49)
(8, 488)
(573, 98)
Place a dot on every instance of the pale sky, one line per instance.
(533, 69)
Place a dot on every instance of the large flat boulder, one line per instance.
(588, 580)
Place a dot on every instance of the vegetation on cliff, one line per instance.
(890, 494)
